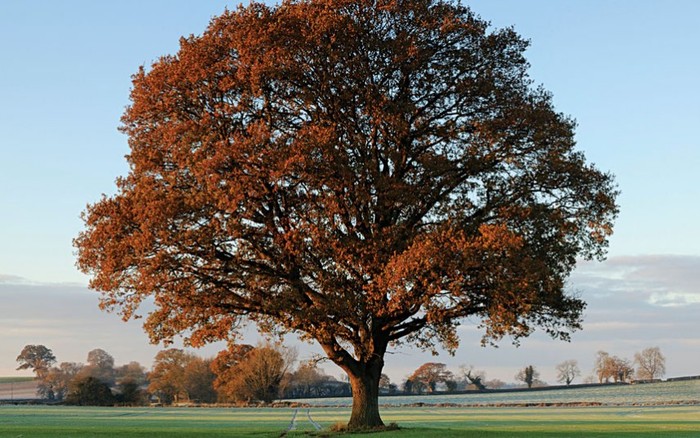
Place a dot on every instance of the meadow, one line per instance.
(646, 411)
(531, 422)
(687, 392)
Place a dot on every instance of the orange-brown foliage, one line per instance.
(363, 172)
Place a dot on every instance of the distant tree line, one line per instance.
(245, 374)
(241, 374)
(97, 382)
(650, 362)
(432, 377)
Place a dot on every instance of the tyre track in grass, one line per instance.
(293, 422)
(313, 423)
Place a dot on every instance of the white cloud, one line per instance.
(12, 279)
(612, 326)
(658, 280)
(674, 299)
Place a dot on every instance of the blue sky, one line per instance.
(625, 69)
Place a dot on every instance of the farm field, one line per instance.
(686, 392)
(13, 388)
(444, 422)
(15, 379)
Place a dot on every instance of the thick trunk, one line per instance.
(365, 396)
(364, 373)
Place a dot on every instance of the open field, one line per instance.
(16, 379)
(60, 421)
(664, 393)
(669, 409)
(14, 388)
(685, 392)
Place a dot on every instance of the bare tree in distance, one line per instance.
(612, 367)
(651, 364)
(528, 375)
(473, 377)
(495, 384)
(567, 371)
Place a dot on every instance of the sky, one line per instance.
(626, 70)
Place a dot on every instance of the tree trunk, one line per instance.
(365, 396)
(364, 373)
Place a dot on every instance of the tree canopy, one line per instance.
(167, 377)
(427, 376)
(612, 367)
(37, 357)
(651, 363)
(361, 172)
(252, 374)
(528, 375)
(567, 371)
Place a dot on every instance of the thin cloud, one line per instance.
(612, 326)
(657, 280)
(12, 279)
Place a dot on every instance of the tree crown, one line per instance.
(362, 172)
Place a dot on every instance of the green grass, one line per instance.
(62, 421)
(678, 421)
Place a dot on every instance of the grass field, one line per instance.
(61, 421)
(16, 379)
(663, 393)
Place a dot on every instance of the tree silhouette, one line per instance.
(651, 363)
(528, 375)
(567, 371)
(100, 365)
(430, 374)
(90, 391)
(257, 375)
(37, 357)
(365, 173)
(167, 377)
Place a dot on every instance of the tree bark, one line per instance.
(365, 396)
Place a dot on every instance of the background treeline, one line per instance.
(648, 365)
(245, 374)
(242, 374)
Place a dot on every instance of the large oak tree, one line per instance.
(363, 172)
